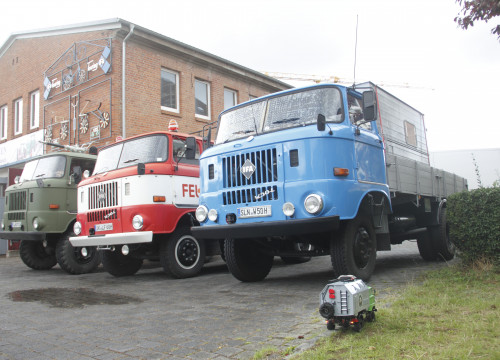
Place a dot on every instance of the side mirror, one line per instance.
(191, 148)
(369, 106)
(207, 140)
(321, 122)
(141, 169)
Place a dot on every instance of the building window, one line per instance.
(230, 98)
(18, 116)
(253, 97)
(3, 122)
(202, 99)
(411, 134)
(169, 90)
(34, 109)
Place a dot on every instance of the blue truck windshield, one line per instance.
(285, 111)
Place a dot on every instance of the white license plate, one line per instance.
(254, 211)
(16, 224)
(103, 227)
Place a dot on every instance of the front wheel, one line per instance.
(36, 256)
(182, 255)
(354, 250)
(76, 260)
(246, 259)
(117, 264)
(440, 236)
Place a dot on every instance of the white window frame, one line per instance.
(200, 116)
(166, 108)
(4, 116)
(18, 116)
(234, 93)
(34, 109)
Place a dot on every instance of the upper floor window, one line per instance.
(18, 116)
(410, 133)
(202, 99)
(230, 98)
(169, 90)
(34, 109)
(3, 122)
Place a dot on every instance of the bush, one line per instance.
(474, 220)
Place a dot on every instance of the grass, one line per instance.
(453, 314)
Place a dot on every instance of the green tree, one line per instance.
(476, 10)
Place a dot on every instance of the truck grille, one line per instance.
(250, 195)
(102, 215)
(103, 195)
(17, 200)
(266, 168)
(16, 215)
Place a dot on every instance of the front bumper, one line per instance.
(266, 229)
(112, 239)
(23, 235)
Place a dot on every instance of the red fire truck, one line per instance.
(139, 204)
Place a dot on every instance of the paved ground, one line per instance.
(53, 315)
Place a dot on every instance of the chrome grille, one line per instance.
(103, 195)
(266, 168)
(17, 201)
(250, 195)
(102, 215)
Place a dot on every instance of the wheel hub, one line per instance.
(362, 247)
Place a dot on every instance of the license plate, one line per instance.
(16, 224)
(254, 211)
(103, 227)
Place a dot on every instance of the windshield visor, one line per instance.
(147, 149)
(286, 111)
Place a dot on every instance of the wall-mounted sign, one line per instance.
(95, 133)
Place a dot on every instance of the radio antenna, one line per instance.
(355, 52)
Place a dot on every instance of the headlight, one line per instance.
(137, 222)
(86, 174)
(288, 209)
(37, 224)
(201, 213)
(313, 204)
(3, 225)
(77, 228)
(213, 215)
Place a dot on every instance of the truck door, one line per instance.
(368, 148)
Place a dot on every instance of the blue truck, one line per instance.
(322, 170)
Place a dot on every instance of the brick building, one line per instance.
(94, 82)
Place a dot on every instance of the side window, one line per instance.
(84, 164)
(18, 116)
(3, 122)
(34, 109)
(202, 99)
(179, 149)
(410, 134)
(169, 90)
(355, 108)
(230, 98)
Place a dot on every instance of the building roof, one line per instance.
(148, 36)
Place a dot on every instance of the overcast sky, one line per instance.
(453, 75)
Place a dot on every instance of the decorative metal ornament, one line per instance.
(81, 76)
(48, 134)
(63, 132)
(104, 120)
(84, 124)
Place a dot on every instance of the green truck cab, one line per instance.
(40, 210)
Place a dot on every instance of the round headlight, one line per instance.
(137, 222)
(201, 213)
(77, 228)
(313, 204)
(36, 224)
(288, 209)
(3, 225)
(86, 174)
(213, 215)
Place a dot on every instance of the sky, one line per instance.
(413, 49)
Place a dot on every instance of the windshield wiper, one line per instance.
(40, 175)
(129, 161)
(286, 120)
(241, 132)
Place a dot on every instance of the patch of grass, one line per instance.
(453, 314)
(265, 352)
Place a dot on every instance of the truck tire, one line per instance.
(117, 264)
(182, 255)
(35, 255)
(246, 261)
(71, 260)
(440, 238)
(353, 250)
(425, 247)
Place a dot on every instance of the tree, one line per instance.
(475, 10)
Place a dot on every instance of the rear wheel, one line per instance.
(117, 264)
(354, 251)
(76, 260)
(37, 256)
(440, 238)
(182, 255)
(425, 247)
(246, 259)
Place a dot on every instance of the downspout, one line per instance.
(124, 52)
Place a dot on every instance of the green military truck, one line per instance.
(40, 209)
